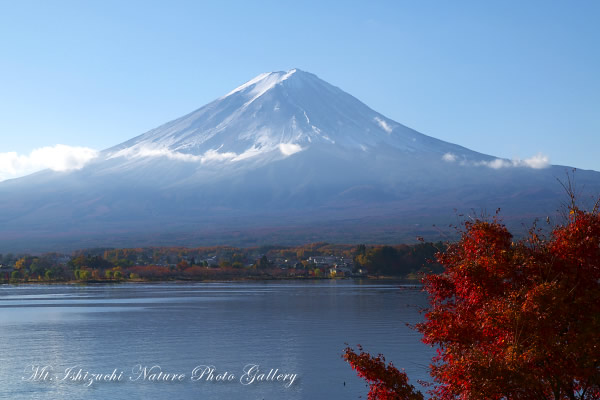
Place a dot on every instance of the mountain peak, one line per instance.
(276, 115)
(260, 84)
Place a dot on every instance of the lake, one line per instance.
(236, 340)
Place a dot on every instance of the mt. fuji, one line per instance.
(283, 158)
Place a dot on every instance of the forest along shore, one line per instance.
(222, 263)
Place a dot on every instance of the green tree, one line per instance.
(15, 276)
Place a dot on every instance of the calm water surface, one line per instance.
(298, 328)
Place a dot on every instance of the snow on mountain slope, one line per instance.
(276, 115)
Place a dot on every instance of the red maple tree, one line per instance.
(509, 319)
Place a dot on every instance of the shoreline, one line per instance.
(245, 279)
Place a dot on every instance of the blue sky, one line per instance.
(507, 78)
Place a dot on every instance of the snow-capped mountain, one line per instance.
(270, 118)
(285, 157)
(281, 113)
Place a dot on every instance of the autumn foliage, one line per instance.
(509, 319)
(385, 381)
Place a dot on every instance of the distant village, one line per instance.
(317, 260)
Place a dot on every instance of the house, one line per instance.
(319, 260)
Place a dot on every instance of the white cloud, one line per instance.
(449, 157)
(144, 151)
(251, 152)
(384, 125)
(538, 161)
(287, 149)
(147, 151)
(499, 163)
(57, 158)
(212, 155)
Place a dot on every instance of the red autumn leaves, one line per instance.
(510, 319)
